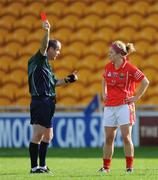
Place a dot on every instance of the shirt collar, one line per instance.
(123, 64)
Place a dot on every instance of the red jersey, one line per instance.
(121, 83)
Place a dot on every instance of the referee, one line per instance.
(42, 83)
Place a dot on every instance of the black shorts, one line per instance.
(42, 110)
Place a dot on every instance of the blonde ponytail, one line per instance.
(130, 48)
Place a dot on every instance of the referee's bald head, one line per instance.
(54, 43)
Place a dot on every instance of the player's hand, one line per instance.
(46, 25)
(71, 78)
(132, 99)
(105, 97)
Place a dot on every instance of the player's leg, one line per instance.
(108, 147)
(38, 131)
(110, 127)
(47, 137)
(126, 131)
(49, 109)
(126, 118)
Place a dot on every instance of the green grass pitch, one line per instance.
(79, 164)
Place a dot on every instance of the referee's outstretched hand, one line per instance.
(72, 77)
(75, 74)
(46, 25)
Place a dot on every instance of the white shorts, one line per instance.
(114, 116)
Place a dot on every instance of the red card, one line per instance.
(43, 16)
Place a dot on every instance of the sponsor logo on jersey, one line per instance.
(121, 75)
(109, 74)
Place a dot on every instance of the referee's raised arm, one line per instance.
(45, 40)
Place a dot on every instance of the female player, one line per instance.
(118, 91)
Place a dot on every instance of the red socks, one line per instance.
(106, 163)
(129, 162)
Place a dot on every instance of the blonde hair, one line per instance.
(125, 48)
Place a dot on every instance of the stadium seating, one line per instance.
(141, 7)
(147, 34)
(97, 7)
(153, 9)
(33, 7)
(133, 20)
(56, 7)
(76, 7)
(86, 29)
(143, 47)
(125, 34)
(150, 21)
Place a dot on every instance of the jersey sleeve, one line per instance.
(55, 78)
(136, 74)
(39, 58)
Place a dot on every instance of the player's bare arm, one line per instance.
(104, 90)
(142, 88)
(69, 79)
(45, 40)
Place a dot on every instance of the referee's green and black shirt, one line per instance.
(41, 78)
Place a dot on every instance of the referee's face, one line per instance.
(53, 53)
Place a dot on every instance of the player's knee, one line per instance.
(127, 139)
(48, 138)
(109, 140)
(51, 137)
